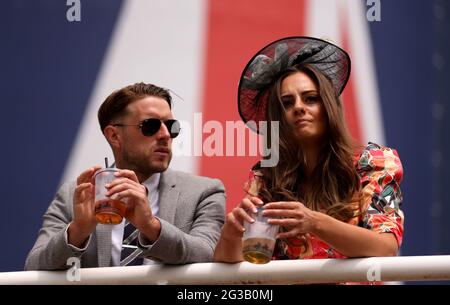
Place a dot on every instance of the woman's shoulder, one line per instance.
(379, 149)
(378, 157)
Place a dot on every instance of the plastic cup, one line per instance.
(259, 239)
(107, 210)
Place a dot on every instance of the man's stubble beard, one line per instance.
(143, 167)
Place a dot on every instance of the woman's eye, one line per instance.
(313, 99)
(287, 103)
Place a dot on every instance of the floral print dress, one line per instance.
(381, 172)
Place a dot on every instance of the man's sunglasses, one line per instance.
(151, 126)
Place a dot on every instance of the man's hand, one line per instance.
(126, 187)
(83, 223)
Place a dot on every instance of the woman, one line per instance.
(330, 198)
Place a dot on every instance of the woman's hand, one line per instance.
(292, 215)
(229, 246)
(234, 221)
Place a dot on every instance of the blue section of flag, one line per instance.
(48, 70)
(441, 208)
(404, 45)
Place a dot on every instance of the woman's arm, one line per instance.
(353, 241)
(349, 240)
(229, 247)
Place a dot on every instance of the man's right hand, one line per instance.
(84, 222)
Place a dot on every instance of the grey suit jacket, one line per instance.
(191, 213)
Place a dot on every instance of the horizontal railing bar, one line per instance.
(400, 268)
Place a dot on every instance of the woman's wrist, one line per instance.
(230, 233)
(318, 222)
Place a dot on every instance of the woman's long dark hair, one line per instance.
(334, 185)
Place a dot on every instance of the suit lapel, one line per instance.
(168, 196)
(104, 245)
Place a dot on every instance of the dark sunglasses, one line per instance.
(151, 126)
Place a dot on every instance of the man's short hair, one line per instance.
(115, 104)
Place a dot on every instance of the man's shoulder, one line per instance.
(67, 187)
(191, 180)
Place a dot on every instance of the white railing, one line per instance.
(402, 268)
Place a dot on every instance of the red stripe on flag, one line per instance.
(349, 98)
(235, 31)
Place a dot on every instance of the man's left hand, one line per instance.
(126, 187)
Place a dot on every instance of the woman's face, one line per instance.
(303, 105)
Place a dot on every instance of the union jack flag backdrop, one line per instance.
(56, 73)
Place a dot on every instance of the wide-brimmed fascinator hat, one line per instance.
(266, 65)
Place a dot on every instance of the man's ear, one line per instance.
(112, 136)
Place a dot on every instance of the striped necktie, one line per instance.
(129, 255)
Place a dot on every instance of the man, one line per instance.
(178, 216)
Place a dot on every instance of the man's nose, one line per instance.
(163, 132)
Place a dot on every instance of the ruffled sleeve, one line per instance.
(381, 172)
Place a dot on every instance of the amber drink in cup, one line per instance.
(259, 239)
(107, 210)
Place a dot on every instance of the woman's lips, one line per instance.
(302, 122)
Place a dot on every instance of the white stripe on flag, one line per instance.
(156, 41)
(363, 67)
(323, 20)
(365, 77)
